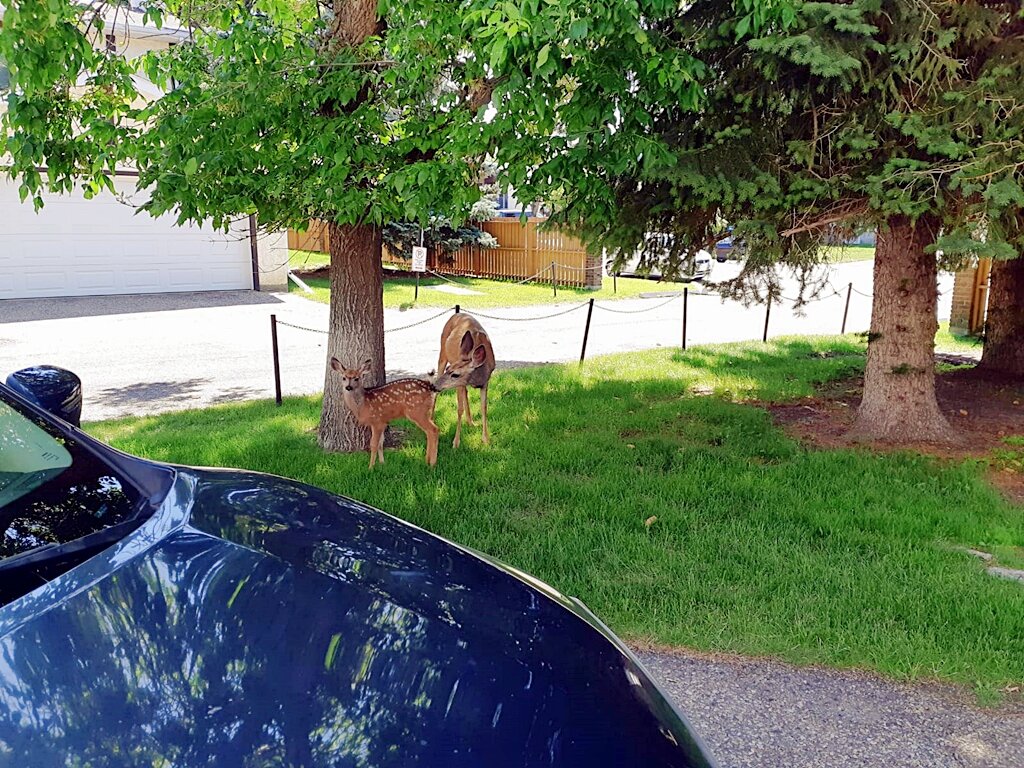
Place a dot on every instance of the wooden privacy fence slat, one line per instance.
(524, 252)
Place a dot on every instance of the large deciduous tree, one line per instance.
(357, 112)
(905, 116)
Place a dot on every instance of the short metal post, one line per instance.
(615, 282)
(457, 309)
(846, 310)
(554, 281)
(277, 362)
(686, 299)
(586, 330)
(767, 314)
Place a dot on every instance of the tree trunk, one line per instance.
(356, 328)
(899, 404)
(1004, 326)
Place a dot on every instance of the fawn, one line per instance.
(466, 360)
(378, 406)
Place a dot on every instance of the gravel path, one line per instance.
(765, 714)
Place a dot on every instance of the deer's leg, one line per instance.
(460, 393)
(375, 436)
(430, 429)
(464, 391)
(483, 414)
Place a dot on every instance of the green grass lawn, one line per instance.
(399, 292)
(953, 342)
(844, 253)
(308, 259)
(649, 486)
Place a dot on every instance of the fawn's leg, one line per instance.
(460, 394)
(483, 414)
(375, 435)
(430, 429)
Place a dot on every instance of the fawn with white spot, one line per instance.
(376, 407)
(466, 360)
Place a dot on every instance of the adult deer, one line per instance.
(466, 360)
(378, 406)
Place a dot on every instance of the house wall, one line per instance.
(970, 299)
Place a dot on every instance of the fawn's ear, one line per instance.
(336, 364)
(479, 355)
(467, 344)
(367, 366)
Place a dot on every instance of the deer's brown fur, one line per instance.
(466, 360)
(376, 407)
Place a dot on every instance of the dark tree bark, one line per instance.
(899, 404)
(1004, 326)
(357, 328)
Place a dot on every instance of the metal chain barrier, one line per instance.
(302, 327)
(638, 311)
(528, 319)
(386, 330)
(420, 322)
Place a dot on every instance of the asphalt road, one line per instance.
(146, 354)
(754, 713)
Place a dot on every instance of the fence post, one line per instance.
(846, 310)
(586, 330)
(686, 297)
(767, 314)
(277, 362)
(554, 281)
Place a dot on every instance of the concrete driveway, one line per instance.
(146, 354)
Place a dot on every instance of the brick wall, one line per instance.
(594, 272)
(963, 295)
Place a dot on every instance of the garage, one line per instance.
(79, 247)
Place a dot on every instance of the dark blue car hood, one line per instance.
(257, 622)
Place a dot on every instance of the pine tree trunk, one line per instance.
(1004, 326)
(899, 404)
(356, 328)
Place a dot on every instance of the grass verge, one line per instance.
(489, 294)
(946, 341)
(648, 485)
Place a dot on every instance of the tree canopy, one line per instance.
(829, 119)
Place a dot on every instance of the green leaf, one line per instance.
(191, 166)
(578, 29)
(542, 55)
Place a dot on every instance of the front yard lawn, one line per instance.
(489, 294)
(654, 488)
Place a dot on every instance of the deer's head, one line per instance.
(456, 373)
(351, 378)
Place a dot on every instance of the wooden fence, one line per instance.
(524, 252)
(313, 239)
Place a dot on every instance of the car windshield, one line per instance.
(53, 489)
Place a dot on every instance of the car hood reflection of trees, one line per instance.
(275, 625)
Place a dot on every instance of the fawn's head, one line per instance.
(351, 378)
(457, 372)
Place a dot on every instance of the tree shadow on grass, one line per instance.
(689, 520)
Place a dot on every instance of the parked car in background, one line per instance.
(163, 615)
(631, 267)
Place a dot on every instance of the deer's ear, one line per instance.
(467, 343)
(367, 366)
(479, 355)
(336, 364)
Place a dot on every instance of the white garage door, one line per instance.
(79, 247)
